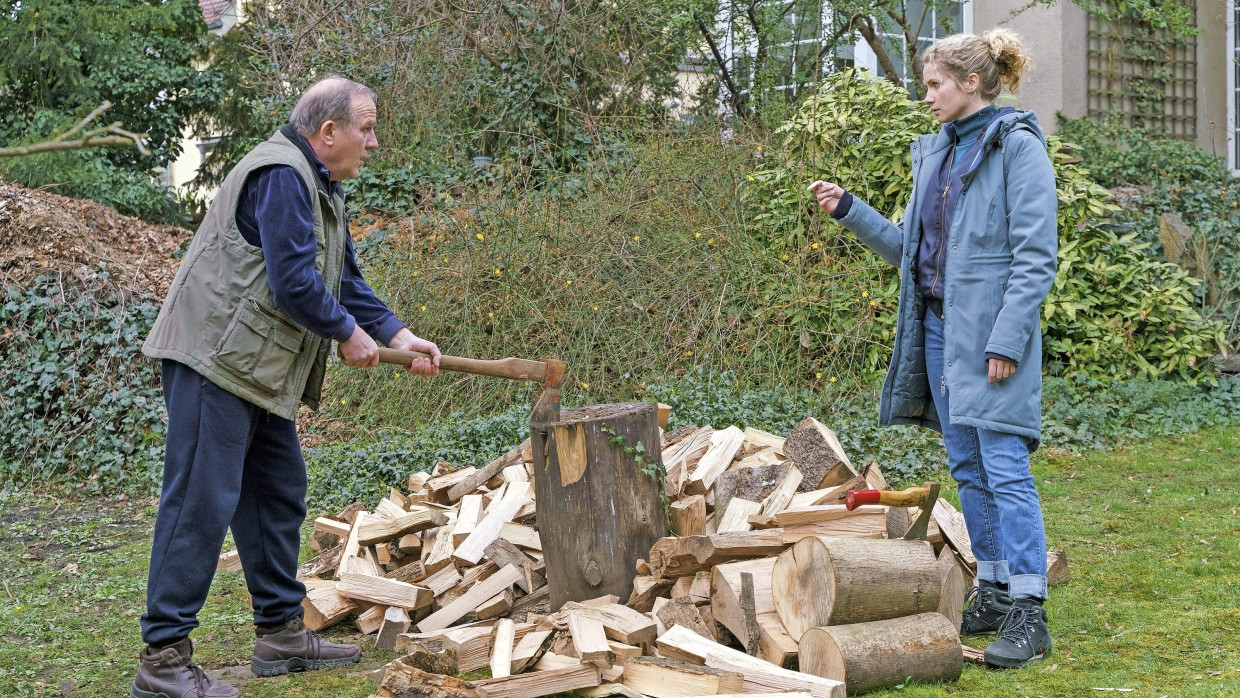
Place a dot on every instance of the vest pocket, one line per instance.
(260, 346)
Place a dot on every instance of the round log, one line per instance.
(951, 598)
(599, 512)
(883, 653)
(837, 581)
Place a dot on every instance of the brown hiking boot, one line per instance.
(171, 673)
(297, 648)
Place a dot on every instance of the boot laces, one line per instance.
(201, 681)
(1018, 626)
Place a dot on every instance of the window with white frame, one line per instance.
(933, 21)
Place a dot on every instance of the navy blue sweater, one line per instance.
(277, 214)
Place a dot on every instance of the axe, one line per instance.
(549, 372)
(923, 497)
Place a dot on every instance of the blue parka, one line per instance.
(1001, 256)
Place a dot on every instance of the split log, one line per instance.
(384, 591)
(666, 678)
(816, 451)
(521, 536)
(756, 439)
(404, 681)
(955, 533)
(682, 611)
(374, 529)
(467, 517)
(724, 445)
(880, 654)
(474, 480)
(501, 552)
(781, 496)
(229, 562)
(469, 647)
(824, 581)
(590, 641)
(760, 676)
(681, 557)
(540, 683)
(529, 649)
(775, 645)
(683, 456)
(442, 581)
(492, 525)
(326, 524)
(496, 606)
(501, 648)
(369, 621)
(395, 622)
(470, 600)
(689, 516)
(411, 571)
(599, 509)
(736, 518)
(323, 605)
(323, 563)
(751, 483)
(620, 623)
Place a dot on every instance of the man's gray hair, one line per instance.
(329, 99)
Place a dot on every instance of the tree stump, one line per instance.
(880, 654)
(838, 581)
(598, 512)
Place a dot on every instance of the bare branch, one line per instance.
(734, 94)
(110, 135)
(865, 25)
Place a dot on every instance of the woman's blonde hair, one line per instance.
(998, 57)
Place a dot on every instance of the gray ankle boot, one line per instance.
(297, 648)
(990, 606)
(172, 673)
(1023, 638)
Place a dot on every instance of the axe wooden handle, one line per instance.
(516, 369)
(912, 497)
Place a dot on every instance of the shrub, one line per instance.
(1168, 175)
(1115, 310)
(79, 405)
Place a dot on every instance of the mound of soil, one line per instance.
(43, 233)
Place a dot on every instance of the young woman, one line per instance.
(976, 250)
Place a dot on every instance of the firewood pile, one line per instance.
(769, 585)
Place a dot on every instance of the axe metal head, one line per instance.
(547, 409)
(918, 530)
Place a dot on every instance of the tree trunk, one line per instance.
(598, 512)
(827, 581)
(881, 654)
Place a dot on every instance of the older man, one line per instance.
(269, 281)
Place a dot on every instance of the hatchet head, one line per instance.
(547, 409)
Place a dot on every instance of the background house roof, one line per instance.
(213, 11)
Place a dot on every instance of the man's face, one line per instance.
(346, 147)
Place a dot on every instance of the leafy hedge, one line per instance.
(79, 403)
(1115, 310)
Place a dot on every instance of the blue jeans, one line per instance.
(997, 495)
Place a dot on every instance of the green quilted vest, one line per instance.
(219, 317)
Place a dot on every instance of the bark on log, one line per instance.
(825, 581)
(880, 654)
(598, 512)
(951, 598)
(816, 451)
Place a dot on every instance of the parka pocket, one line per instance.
(260, 346)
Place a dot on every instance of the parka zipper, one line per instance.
(938, 255)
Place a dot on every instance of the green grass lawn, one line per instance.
(1152, 535)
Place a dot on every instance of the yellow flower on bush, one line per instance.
(424, 309)
(750, 178)
(637, 238)
(832, 379)
(585, 386)
(480, 236)
(865, 294)
(815, 246)
(818, 374)
(697, 235)
(568, 282)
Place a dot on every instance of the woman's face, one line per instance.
(948, 99)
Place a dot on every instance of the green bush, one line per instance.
(81, 407)
(1168, 175)
(1115, 309)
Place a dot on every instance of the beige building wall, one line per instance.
(1055, 37)
(1213, 62)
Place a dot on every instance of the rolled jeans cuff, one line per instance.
(1029, 586)
(993, 571)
